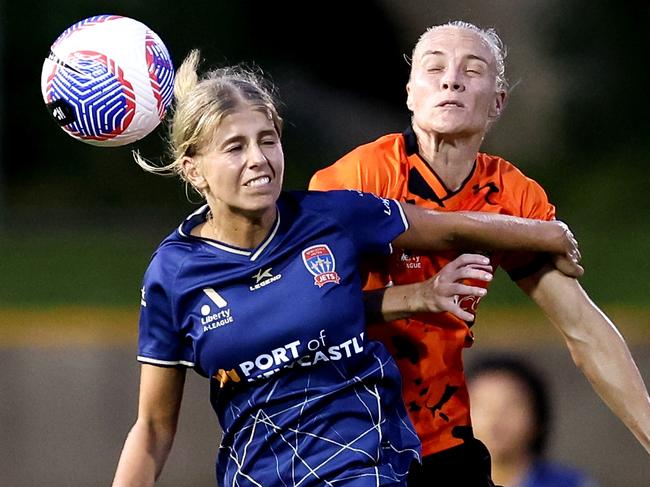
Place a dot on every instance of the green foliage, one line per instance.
(72, 268)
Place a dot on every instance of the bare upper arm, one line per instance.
(428, 229)
(161, 392)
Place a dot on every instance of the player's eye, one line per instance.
(476, 68)
(233, 148)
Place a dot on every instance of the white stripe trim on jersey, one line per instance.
(191, 215)
(404, 221)
(156, 361)
(225, 248)
(234, 250)
(268, 240)
(403, 215)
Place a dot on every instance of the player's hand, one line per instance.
(568, 261)
(445, 290)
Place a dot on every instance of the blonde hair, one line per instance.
(202, 102)
(490, 37)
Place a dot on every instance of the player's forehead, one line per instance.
(453, 41)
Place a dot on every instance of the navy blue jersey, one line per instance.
(302, 397)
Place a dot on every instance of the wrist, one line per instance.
(414, 298)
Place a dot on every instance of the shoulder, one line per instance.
(492, 164)
(512, 179)
(323, 202)
(169, 258)
(367, 221)
(386, 145)
(364, 167)
(346, 206)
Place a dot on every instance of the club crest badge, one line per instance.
(319, 261)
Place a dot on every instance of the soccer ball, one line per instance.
(108, 80)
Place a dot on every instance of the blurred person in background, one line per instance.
(456, 90)
(511, 413)
(259, 291)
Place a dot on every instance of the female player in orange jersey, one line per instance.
(457, 88)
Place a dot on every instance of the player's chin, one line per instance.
(259, 202)
(263, 197)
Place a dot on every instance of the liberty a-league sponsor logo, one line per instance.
(212, 318)
(410, 261)
(319, 261)
(263, 278)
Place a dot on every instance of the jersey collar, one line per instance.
(200, 216)
(423, 179)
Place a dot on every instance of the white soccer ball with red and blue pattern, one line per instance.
(108, 80)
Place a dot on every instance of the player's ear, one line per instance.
(409, 101)
(498, 104)
(192, 171)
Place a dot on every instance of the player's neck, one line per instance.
(238, 229)
(451, 157)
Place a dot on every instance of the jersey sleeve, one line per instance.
(159, 340)
(370, 221)
(533, 203)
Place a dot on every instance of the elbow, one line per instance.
(160, 432)
(577, 349)
(453, 239)
(580, 343)
(588, 349)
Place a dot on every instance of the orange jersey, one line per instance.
(428, 347)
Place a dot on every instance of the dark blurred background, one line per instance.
(78, 223)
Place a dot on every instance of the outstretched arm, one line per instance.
(147, 446)
(432, 230)
(435, 295)
(596, 346)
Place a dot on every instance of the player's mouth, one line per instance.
(450, 104)
(258, 182)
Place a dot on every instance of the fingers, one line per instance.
(455, 280)
(572, 250)
(465, 290)
(574, 256)
(473, 272)
(469, 259)
(477, 273)
(569, 262)
(568, 266)
(461, 313)
(467, 266)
